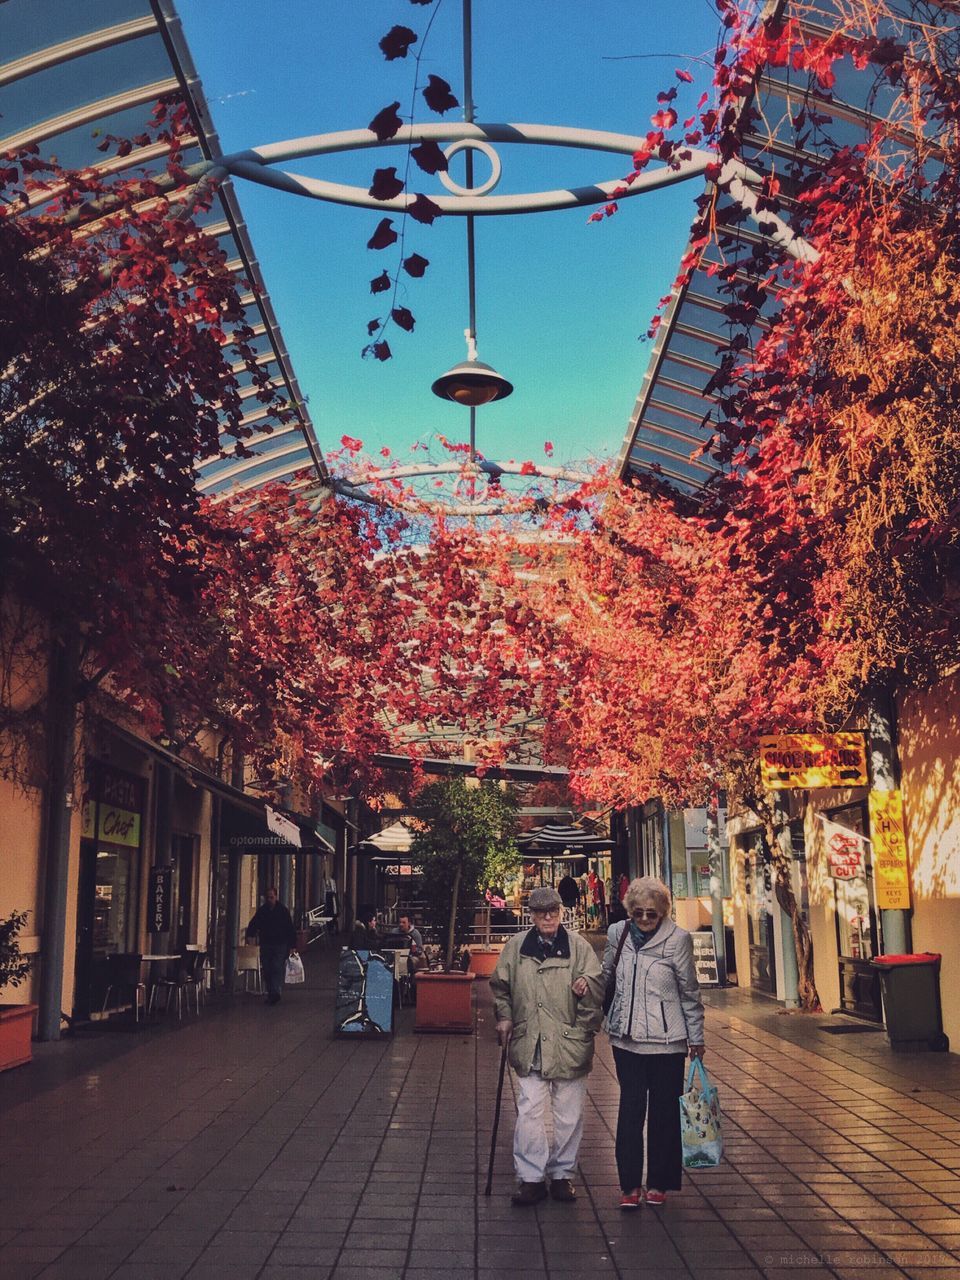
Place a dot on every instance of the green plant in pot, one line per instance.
(14, 966)
(16, 1020)
(466, 843)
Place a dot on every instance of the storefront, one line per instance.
(855, 913)
(109, 878)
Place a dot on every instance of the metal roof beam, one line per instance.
(43, 130)
(56, 54)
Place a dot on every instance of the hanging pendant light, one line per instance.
(471, 382)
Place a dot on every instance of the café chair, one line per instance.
(123, 975)
(248, 963)
(188, 976)
(401, 976)
(317, 919)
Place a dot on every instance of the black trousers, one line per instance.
(650, 1084)
(273, 966)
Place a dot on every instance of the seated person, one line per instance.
(412, 938)
(365, 936)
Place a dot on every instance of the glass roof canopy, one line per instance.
(672, 416)
(72, 71)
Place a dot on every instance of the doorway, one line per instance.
(182, 852)
(858, 934)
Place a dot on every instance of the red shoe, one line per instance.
(656, 1198)
(631, 1199)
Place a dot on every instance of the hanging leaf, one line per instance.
(415, 265)
(396, 42)
(430, 158)
(377, 351)
(385, 184)
(423, 209)
(380, 283)
(384, 236)
(403, 319)
(437, 95)
(386, 123)
(373, 326)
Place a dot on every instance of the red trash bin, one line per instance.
(910, 986)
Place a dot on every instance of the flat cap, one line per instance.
(544, 899)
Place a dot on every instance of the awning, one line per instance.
(394, 839)
(243, 821)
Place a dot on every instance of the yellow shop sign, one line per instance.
(891, 877)
(802, 761)
(119, 826)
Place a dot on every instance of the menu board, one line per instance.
(705, 958)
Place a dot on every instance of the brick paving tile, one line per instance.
(297, 1155)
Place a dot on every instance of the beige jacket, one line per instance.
(535, 995)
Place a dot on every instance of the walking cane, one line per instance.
(496, 1120)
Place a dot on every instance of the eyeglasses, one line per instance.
(643, 914)
(553, 913)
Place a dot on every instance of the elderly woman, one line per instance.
(655, 1019)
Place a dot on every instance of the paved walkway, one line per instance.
(252, 1145)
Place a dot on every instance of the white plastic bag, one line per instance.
(294, 973)
(700, 1128)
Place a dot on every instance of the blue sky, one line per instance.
(561, 305)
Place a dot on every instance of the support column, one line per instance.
(285, 879)
(715, 857)
(666, 869)
(61, 735)
(885, 775)
(791, 973)
(232, 930)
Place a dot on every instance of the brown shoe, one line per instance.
(528, 1193)
(563, 1189)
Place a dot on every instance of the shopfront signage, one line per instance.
(891, 876)
(112, 808)
(802, 761)
(281, 826)
(119, 826)
(705, 958)
(844, 851)
(159, 894)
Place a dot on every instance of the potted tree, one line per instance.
(16, 1020)
(465, 842)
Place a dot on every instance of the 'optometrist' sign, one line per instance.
(802, 761)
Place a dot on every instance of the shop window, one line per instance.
(856, 918)
(111, 901)
(856, 923)
(758, 890)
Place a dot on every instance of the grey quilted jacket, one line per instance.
(657, 1000)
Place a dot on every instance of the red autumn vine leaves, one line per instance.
(641, 639)
(388, 185)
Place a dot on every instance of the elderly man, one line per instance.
(547, 996)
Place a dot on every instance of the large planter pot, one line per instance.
(444, 1002)
(484, 961)
(16, 1032)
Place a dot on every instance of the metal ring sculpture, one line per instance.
(255, 165)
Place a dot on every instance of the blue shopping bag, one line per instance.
(700, 1129)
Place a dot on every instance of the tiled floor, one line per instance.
(252, 1145)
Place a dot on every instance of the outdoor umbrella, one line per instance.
(559, 839)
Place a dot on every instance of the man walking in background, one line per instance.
(273, 927)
